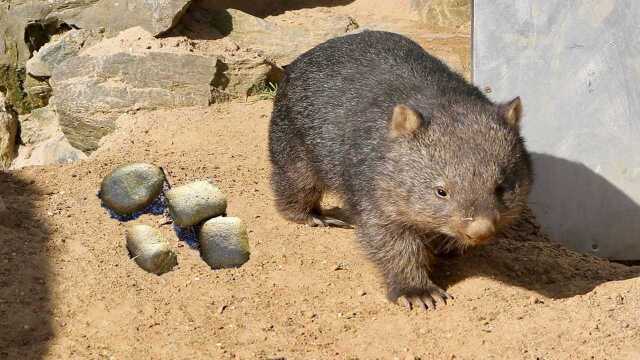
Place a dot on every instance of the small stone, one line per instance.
(341, 266)
(362, 293)
(132, 187)
(619, 299)
(535, 300)
(149, 249)
(224, 242)
(192, 203)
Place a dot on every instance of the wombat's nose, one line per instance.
(480, 229)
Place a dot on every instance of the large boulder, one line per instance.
(136, 71)
(279, 38)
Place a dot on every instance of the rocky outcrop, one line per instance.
(85, 63)
(135, 71)
(26, 25)
(93, 90)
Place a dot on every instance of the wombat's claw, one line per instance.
(427, 300)
(435, 290)
(322, 221)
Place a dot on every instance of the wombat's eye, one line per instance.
(441, 192)
(500, 190)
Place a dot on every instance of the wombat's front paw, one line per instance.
(424, 298)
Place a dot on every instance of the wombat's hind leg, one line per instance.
(298, 193)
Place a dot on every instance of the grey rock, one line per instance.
(91, 92)
(132, 187)
(37, 67)
(275, 37)
(149, 249)
(283, 43)
(43, 142)
(114, 16)
(59, 49)
(38, 91)
(54, 150)
(192, 203)
(8, 132)
(39, 125)
(224, 242)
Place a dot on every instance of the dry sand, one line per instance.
(68, 289)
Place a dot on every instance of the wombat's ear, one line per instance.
(405, 121)
(511, 111)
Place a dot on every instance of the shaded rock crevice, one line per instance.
(38, 33)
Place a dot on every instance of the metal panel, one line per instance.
(576, 65)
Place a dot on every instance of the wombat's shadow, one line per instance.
(525, 257)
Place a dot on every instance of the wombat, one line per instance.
(424, 162)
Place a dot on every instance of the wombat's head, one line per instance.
(462, 170)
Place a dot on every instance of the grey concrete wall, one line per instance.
(576, 65)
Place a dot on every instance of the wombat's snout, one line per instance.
(480, 229)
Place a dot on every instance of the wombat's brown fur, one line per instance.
(424, 161)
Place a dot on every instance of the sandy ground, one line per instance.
(69, 291)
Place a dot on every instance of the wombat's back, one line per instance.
(338, 97)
